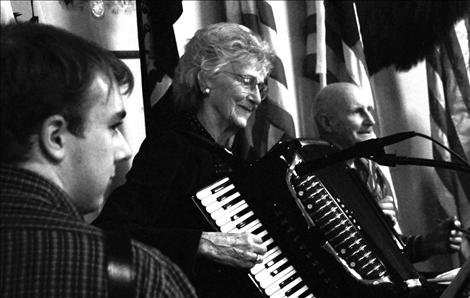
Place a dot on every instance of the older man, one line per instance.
(61, 108)
(343, 115)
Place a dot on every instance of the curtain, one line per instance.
(447, 69)
(410, 95)
(6, 12)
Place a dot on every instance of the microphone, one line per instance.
(367, 149)
(376, 146)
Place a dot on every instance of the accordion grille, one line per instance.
(338, 226)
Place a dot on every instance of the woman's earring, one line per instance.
(206, 91)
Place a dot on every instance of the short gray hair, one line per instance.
(210, 49)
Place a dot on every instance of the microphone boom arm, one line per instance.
(392, 160)
(374, 149)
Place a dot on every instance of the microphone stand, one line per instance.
(392, 160)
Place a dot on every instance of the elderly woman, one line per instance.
(219, 83)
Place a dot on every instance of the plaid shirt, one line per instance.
(48, 250)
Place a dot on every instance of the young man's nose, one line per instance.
(124, 151)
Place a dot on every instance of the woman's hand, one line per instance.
(234, 249)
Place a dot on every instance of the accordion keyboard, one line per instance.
(226, 208)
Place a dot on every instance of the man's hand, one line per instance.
(444, 238)
(234, 249)
(388, 207)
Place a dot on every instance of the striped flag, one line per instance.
(345, 60)
(341, 50)
(449, 100)
(271, 122)
(333, 38)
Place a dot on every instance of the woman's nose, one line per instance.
(255, 96)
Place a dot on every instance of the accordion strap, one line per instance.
(120, 273)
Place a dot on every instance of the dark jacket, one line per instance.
(155, 204)
(48, 250)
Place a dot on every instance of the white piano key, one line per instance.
(246, 215)
(272, 279)
(262, 233)
(273, 250)
(264, 274)
(296, 294)
(232, 224)
(266, 262)
(218, 204)
(268, 256)
(209, 190)
(274, 288)
(224, 212)
(231, 212)
(213, 197)
(251, 226)
(282, 291)
(250, 222)
(270, 285)
(223, 193)
(273, 257)
(268, 241)
(257, 230)
(302, 291)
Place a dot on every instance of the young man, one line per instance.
(61, 107)
(344, 117)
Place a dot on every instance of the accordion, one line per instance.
(325, 234)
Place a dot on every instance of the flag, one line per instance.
(448, 73)
(345, 60)
(159, 56)
(271, 121)
(342, 50)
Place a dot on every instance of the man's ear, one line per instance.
(324, 122)
(52, 137)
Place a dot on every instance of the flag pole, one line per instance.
(320, 67)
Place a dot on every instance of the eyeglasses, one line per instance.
(251, 82)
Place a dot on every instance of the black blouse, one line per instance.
(155, 204)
